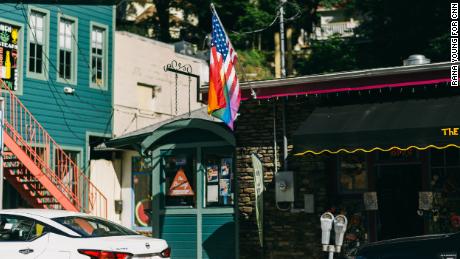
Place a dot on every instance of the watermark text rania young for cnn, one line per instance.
(454, 44)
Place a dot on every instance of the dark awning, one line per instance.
(380, 126)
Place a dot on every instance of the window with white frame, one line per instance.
(66, 49)
(37, 42)
(98, 56)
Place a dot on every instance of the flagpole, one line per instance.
(213, 10)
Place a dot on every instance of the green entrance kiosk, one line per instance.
(193, 176)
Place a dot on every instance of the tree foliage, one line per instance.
(254, 65)
(331, 55)
(390, 30)
(396, 29)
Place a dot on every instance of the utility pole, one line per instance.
(283, 59)
(283, 75)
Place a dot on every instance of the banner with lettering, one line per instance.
(259, 190)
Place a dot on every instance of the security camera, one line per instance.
(340, 226)
(326, 225)
(69, 90)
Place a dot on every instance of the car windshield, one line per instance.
(94, 227)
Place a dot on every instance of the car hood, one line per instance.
(409, 243)
(131, 244)
(410, 239)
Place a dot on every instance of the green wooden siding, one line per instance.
(218, 236)
(180, 232)
(67, 118)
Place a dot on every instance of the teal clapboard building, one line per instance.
(63, 68)
(189, 160)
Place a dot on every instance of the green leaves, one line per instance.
(331, 55)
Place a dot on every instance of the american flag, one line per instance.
(224, 89)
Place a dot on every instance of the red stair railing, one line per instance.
(26, 131)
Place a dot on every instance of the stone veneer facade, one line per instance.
(286, 234)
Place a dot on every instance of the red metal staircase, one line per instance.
(39, 169)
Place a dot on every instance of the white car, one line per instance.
(58, 234)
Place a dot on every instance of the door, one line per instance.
(397, 189)
(178, 185)
(21, 237)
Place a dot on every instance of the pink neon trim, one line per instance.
(368, 87)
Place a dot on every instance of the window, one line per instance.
(142, 187)
(219, 187)
(180, 179)
(67, 50)
(18, 228)
(445, 171)
(94, 227)
(37, 42)
(98, 56)
(352, 173)
(13, 228)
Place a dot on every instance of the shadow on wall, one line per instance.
(220, 244)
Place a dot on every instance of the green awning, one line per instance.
(146, 137)
(403, 124)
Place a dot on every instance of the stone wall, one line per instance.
(286, 233)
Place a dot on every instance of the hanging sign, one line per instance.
(370, 201)
(259, 188)
(180, 185)
(9, 35)
(425, 200)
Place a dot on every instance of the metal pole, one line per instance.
(283, 61)
(176, 94)
(189, 96)
(285, 144)
(283, 75)
(275, 146)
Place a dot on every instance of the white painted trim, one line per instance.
(74, 77)
(105, 56)
(45, 55)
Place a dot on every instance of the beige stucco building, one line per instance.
(144, 94)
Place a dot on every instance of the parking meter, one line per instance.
(340, 226)
(327, 220)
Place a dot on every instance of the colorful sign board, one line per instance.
(9, 40)
(180, 186)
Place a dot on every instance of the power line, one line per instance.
(15, 8)
(292, 18)
(51, 81)
(80, 50)
(123, 1)
(57, 71)
(258, 30)
(47, 58)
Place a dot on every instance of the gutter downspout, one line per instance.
(275, 145)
